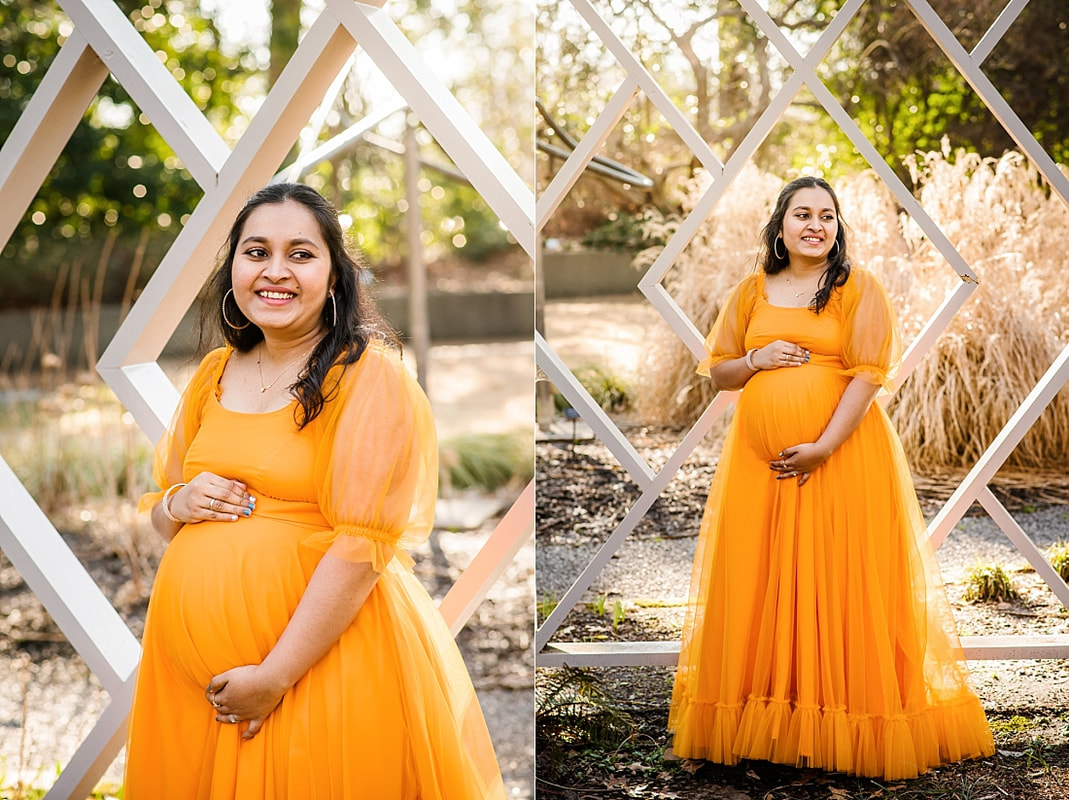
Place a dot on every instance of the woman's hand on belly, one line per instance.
(243, 694)
(212, 497)
(799, 461)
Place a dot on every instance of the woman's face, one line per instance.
(282, 271)
(810, 224)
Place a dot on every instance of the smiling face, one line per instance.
(810, 225)
(281, 272)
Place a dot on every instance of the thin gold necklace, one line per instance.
(790, 286)
(285, 369)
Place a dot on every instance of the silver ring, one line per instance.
(211, 505)
(233, 719)
(216, 704)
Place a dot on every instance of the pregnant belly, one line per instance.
(783, 407)
(224, 593)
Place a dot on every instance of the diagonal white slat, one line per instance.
(997, 30)
(1024, 544)
(172, 112)
(647, 498)
(991, 97)
(595, 416)
(443, 115)
(1056, 376)
(931, 331)
(70, 596)
(310, 134)
(595, 137)
(96, 752)
(338, 144)
(45, 126)
(511, 533)
(638, 72)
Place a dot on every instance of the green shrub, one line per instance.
(989, 583)
(608, 389)
(486, 460)
(1059, 559)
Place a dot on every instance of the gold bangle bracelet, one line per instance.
(166, 503)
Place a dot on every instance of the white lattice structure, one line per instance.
(103, 42)
(651, 483)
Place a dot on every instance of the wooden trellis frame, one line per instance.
(105, 42)
(650, 483)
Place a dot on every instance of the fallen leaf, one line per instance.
(752, 775)
(691, 765)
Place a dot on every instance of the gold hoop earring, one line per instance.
(227, 319)
(775, 252)
(334, 306)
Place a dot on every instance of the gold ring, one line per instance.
(211, 505)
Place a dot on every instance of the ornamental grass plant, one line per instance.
(1010, 228)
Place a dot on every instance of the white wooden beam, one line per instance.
(60, 582)
(997, 30)
(577, 162)
(511, 533)
(45, 126)
(172, 112)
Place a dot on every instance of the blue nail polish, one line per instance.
(247, 511)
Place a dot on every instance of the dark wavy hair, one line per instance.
(838, 269)
(358, 321)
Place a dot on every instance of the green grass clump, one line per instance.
(486, 460)
(989, 583)
(1059, 559)
(608, 389)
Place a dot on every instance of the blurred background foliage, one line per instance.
(886, 71)
(118, 196)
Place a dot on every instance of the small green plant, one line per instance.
(608, 389)
(989, 583)
(486, 460)
(599, 605)
(618, 614)
(546, 604)
(1058, 554)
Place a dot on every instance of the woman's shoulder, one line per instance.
(380, 363)
(860, 282)
(749, 288)
(210, 369)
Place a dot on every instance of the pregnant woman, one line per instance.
(289, 652)
(818, 632)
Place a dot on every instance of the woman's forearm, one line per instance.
(854, 404)
(730, 375)
(330, 603)
(163, 526)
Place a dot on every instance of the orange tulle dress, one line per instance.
(818, 632)
(389, 712)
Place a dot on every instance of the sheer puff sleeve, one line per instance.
(871, 347)
(170, 456)
(376, 467)
(727, 340)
